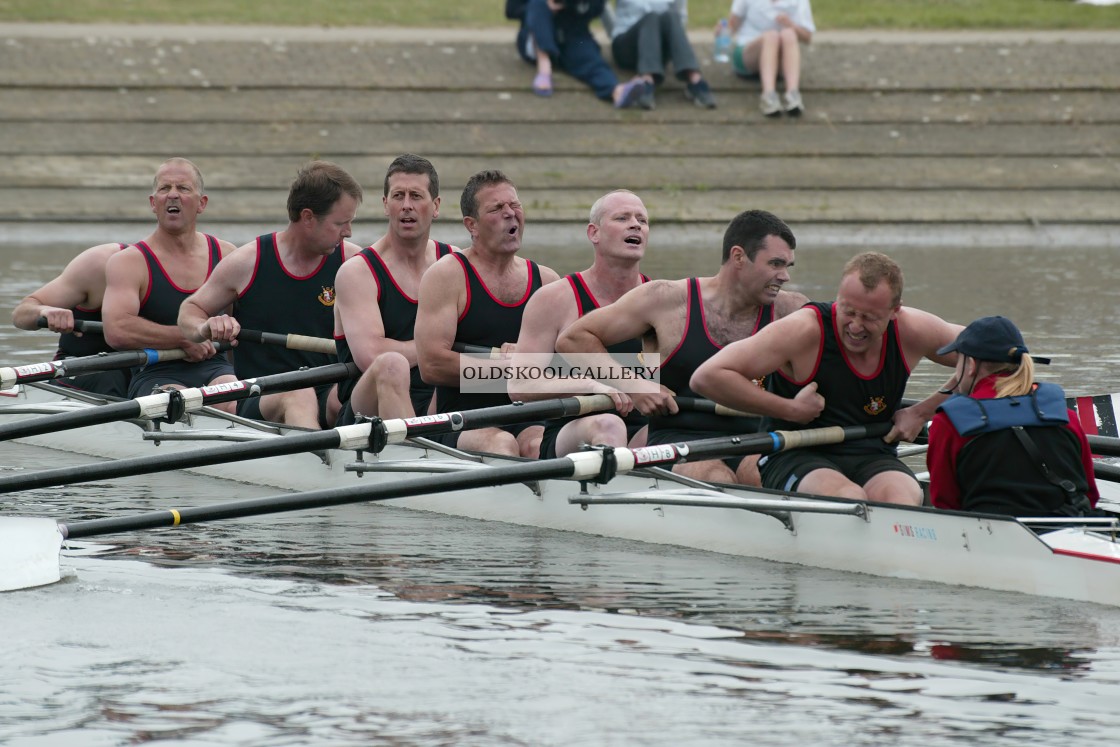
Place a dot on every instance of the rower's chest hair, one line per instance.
(724, 330)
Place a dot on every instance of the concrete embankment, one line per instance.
(990, 138)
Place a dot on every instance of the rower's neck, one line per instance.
(408, 252)
(609, 281)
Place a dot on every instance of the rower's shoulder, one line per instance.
(788, 302)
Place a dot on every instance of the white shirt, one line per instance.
(759, 16)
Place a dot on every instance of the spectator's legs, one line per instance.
(791, 59)
(767, 63)
(582, 58)
(639, 49)
(541, 26)
(676, 47)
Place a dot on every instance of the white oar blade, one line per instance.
(29, 551)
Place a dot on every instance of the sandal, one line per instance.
(542, 84)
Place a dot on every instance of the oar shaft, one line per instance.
(272, 447)
(480, 478)
(157, 405)
(31, 373)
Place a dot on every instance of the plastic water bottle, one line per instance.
(723, 42)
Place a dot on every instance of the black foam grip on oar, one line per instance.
(292, 342)
(85, 326)
(1104, 445)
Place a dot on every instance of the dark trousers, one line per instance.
(653, 42)
(572, 48)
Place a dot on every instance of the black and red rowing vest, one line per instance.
(162, 301)
(489, 323)
(277, 301)
(850, 397)
(398, 316)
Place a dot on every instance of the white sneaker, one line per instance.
(793, 104)
(770, 105)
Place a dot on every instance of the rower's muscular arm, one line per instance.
(126, 276)
(550, 309)
(358, 317)
(727, 378)
(442, 298)
(203, 316)
(628, 318)
(83, 276)
(922, 334)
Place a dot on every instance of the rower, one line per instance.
(76, 295)
(147, 282)
(477, 297)
(1003, 443)
(283, 283)
(691, 320)
(838, 364)
(618, 230)
(377, 293)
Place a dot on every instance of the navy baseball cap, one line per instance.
(991, 338)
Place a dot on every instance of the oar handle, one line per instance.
(292, 342)
(80, 325)
(462, 347)
(696, 404)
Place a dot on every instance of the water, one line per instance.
(372, 625)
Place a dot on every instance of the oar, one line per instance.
(292, 342)
(369, 436)
(29, 548)
(10, 376)
(172, 405)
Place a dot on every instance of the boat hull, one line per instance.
(884, 540)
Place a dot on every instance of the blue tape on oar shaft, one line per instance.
(153, 356)
(777, 441)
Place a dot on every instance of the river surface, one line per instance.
(374, 625)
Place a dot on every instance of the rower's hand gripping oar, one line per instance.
(84, 326)
(173, 404)
(371, 436)
(33, 372)
(292, 342)
(29, 548)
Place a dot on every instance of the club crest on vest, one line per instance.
(875, 406)
(327, 296)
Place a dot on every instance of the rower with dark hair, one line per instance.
(689, 321)
(375, 314)
(1004, 443)
(283, 283)
(76, 296)
(477, 297)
